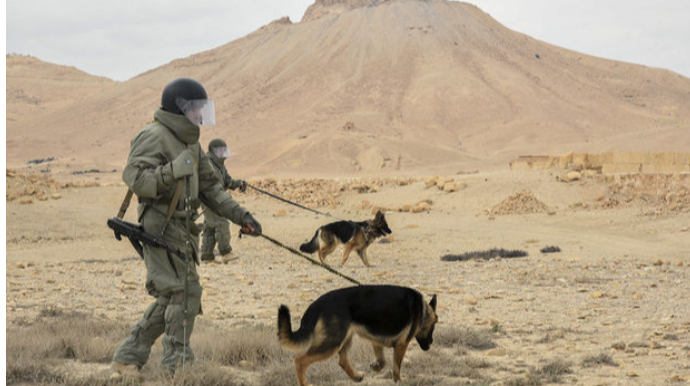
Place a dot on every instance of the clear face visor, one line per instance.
(221, 152)
(198, 111)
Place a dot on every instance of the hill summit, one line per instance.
(373, 86)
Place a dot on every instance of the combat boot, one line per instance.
(228, 257)
(208, 256)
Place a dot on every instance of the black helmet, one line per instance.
(185, 88)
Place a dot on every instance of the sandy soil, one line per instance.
(621, 276)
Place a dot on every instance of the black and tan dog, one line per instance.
(388, 316)
(355, 235)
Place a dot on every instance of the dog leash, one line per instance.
(300, 254)
(293, 203)
(293, 250)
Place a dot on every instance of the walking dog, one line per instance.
(386, 315)
(355, 235)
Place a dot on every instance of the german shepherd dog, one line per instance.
(355, 235)
(387, 316)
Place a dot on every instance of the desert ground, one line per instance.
(413, 107)
(617, 291)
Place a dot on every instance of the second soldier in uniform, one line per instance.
(216, 227)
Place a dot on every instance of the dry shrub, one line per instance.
(38, 354)
(73, 335)
(550, 249)
(54, 336)
(531, 379)
(470, 338)
(255, 345)
(553, 370)
(598, 360)
(485, 255)
(23, 368)
(437, 367)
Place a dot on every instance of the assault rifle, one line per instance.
(137, 236)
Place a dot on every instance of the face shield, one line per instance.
(221, 152)
(198, 111)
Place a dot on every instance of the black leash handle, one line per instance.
(300, 254)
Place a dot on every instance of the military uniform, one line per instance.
(217, 228)
(158, 154)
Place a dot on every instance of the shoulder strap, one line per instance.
(125, 204)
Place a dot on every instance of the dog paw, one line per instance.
(359, 378)
(377, 366)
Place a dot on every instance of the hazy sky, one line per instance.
(121, 39)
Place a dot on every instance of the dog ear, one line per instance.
(378, 215)
(432, 303)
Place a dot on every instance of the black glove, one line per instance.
(250, 226)
(243, 186)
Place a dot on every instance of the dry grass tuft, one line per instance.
(471, 338)
(598, 360)
(64, 348)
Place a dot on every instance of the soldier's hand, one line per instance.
(183, 165)
(243, 186)
(250, 226)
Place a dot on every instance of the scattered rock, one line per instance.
(421, 207)
(570, 176)
(519, 203)
(654, 345)
(497, 352)
(620, 345)
(638, 344)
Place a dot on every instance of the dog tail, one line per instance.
(311, 246)
(293, 341)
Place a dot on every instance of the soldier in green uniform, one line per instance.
(216, 227)
(169, 172)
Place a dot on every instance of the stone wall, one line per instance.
(609, 162)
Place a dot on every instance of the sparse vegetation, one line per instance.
(598, 360)
(57, 335)
(471, 338)
(531, 379)
(252, 346)
(41, 349)
(485, 255)
(553, 370)
(39, 161)
(550, 249)
(551, 336)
